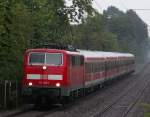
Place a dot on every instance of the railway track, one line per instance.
(140, 84)
(34, 112)
(136, 100)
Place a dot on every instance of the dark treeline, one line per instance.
(113, 30)
(131, 31)
(28, 23)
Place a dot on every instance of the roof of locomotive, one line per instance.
(53, 50)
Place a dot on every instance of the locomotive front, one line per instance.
(45, 74)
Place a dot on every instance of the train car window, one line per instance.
(54, 59)
(86, 68)
(114, 63)
(72, 60)
(106, 65)
(89, 67)
(95, 67)
(109, 64)
(36, 58)
(133, 62)
(81, 60)
(117, 63)
(77, 60)
(99, 66)
(102, 68)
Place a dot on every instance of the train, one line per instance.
(56, 72)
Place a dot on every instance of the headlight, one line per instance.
(44, 67)
(30, 83)
(58, 84)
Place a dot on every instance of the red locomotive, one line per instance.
(63, 72)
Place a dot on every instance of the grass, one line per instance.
(147, 109)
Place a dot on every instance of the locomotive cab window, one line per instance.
(36, 58)
(54, 59)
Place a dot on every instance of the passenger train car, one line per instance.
(58, 73)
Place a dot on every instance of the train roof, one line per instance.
(87, 53)
(102, 54)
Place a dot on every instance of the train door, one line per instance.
(76, 71)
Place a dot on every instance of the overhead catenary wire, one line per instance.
(141, 9)
(127, 9)
(134, 9)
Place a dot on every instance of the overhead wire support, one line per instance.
(141, 9)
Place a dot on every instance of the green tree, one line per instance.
(13, 35)
(93, 35)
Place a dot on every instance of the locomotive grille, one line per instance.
(44, 76)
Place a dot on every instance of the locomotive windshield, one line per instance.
(54, 59)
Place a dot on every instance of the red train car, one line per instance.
(103, 66)
(57, 74)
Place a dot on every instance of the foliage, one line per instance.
(78, 8)
(93, 35)
(13, 35)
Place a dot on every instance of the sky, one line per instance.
(124, 5)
